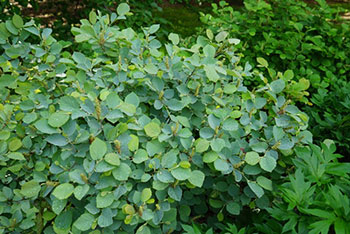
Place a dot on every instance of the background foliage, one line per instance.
(310, 40)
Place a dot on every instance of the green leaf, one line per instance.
(17, 21)
(211, 73)
(181, 173)
(106, 218)
(221, 165)
(123, 9)
(288, 75)
(262, 62)
(174, 105)
(221, 36)
(259, 192)
(133, 99)
(30, 189)
(174, 38)
(140, 156)
(217, 144)
(58, 119)
(233, 208)
(264, 182)
(122, 172)
(104, 200)
(277, 86)
(133, 144)
(57, 139)
(92, 17)
(113, 159)
(252, 158)
(11, 28)
(80, 191)
(201, 145)
(84, 222)
(146, 194)
(197, 178)
(128, 108)
(209, 51)
(152, 129)
(43, 126)
(63, 191)
(16, 156)
(210, 157)
(268, 163)
(15, 144)
(143, 230)
(151, 69)
(98, 149)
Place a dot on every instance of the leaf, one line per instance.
(152, 129)
(201, 145)
(174, 38)
(113, 159)
(140, 156)
(146, 194)
(106, 218)
(16, 156)
(221, 36)
(262, 62)
(259, 192)
(57, 139)
(84, 222)
(80, 191)
(58, 119)
(15, 144)
(277, 86)
(151, 69)
(30, 189)
(123, 9)
(122, 172)
(98, 149)
(217, 144)
(143, 230)
(221, 165)
(133, 99)
(264, 182)
(210, 157)
(17, 21)
(133, 144)
(181, 173)
(233, 208)
(209, 51)
(197, 178)
(174, 105)
(63, 191)
(252, 158)
(92, 17)
(104, 200)
(288, 75)
(211, 73)
(268, 163)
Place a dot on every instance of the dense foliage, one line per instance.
(311, 40)
(128, 129)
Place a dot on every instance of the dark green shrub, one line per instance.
(137, 136)
(311, 40)
(315, 198)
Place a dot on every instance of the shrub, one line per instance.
(135, 136)
(310, 40)
(315, 198)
